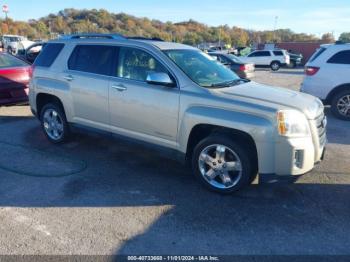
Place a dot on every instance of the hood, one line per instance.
(280, 98)
(27, 43)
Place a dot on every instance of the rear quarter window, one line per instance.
(48, 55)
(342, 57)
(317, 54)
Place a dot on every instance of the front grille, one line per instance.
(321, 124)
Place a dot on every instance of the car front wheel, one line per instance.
(54, 123)
(222, 165)
(341, 105)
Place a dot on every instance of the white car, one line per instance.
(13, 43)
(272, 58)
(327, 76)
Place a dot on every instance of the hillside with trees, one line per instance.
(191, 32)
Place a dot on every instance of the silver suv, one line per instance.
(178, 98)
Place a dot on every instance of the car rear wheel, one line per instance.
(341, 105)
(275, 66)
(54, 123)
(222, 165)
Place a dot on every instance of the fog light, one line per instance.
(299, 158)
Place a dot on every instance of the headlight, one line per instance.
(292, 123)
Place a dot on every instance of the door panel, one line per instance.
(90, 97)
(89, 72)
(143, 108)
(147, 111)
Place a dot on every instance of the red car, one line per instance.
(14, 79)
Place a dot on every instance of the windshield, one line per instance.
(12, 38)
(202, 69)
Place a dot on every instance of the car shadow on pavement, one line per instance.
(309, 217)
(298, 219)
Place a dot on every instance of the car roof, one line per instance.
(167, 45)
(162, 45)
(341, 45)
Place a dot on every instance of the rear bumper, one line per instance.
(312, 85)
(13, 101)
(13, 96)
(248, 75)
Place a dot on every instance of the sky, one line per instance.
(307, 16)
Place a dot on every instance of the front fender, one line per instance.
(258, 127)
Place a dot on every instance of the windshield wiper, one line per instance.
(230, 83)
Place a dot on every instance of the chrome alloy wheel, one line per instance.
(53, 124)
(220, 166)
(343, 105)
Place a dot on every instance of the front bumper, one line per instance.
(296, 156)
(274, 178)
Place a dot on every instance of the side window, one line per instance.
(342, 57)
(96, 59)
(278, 53)
(136, 64)
(264, 53)
(48, 55)
(260, 54)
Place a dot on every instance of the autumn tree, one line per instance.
(327, 38)
(191, 32)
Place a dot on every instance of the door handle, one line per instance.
(120, 87)
(69, 78)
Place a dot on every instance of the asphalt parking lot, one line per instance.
(100, 196)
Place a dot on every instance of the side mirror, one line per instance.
(162, 79)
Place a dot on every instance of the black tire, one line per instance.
(9, 50)
(275, 66)
(248, 161)
(61, 115)
(334, 105)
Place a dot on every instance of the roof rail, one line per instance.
(92, 35)
(339, 42)
(144, 38)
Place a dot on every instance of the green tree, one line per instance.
(41, 29)
(345, 37)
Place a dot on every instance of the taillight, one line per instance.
(311, 70)
(242, 67)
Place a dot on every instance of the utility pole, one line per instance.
(5, 9)
(274, 28)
